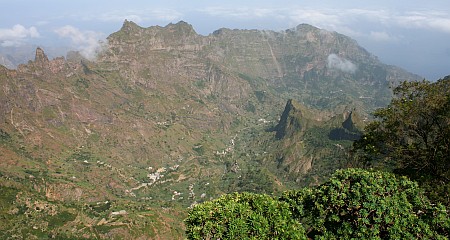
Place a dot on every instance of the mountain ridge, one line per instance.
(269, 66)
(165, 118)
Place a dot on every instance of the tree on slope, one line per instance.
(412, 136)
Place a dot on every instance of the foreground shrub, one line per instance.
(361, 204)
(352, 204)
(243, 216)
(412, 136)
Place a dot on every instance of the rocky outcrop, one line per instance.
(41, 59)
(348, 130)
(290, 121)
(348, 123)
(42, 65)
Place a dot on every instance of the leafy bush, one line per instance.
(361, 204)
(353, 204)
(243, 216)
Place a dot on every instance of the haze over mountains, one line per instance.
(165, 118)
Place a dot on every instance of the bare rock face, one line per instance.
(40, 57)
(290, 121)
(63, 192)
(322, 69)
(129, 27)
(37, 67)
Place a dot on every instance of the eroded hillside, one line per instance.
(165, 118)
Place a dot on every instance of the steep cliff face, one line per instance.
(290, 121)
(308, 145)
(321, 69)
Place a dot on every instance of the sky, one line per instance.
(414, 34)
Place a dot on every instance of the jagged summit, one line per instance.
(41, 57)
(173, 35)
(348, 130)
(290, 121)
(348, 123)
(42, 65)
(183, 26)
(305, 27)
(129, 26)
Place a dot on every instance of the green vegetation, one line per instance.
(352, 204)
(200, 83)
(82, 156)
(60, 219)
(412, 136)
(362, 204)
(243, 216)
(199, 149)
(4, 136)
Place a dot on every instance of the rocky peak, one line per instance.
(182, 27)
(220, 31)
(290, 121)
(348, 130)
(41, 58)
(348, 123)
(42, 65)
(129, 27)
(305, 28)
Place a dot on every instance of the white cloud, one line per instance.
(425, 20)
(382, 37)
(164, 14)
(87, 42)
(16, 35)
(342, 20)
(319, 18)
(342, 64)
(140, 16)
(244, 13)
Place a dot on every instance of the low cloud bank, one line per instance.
(87, 42)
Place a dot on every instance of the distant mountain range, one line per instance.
(11, 57)
(165, 118)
